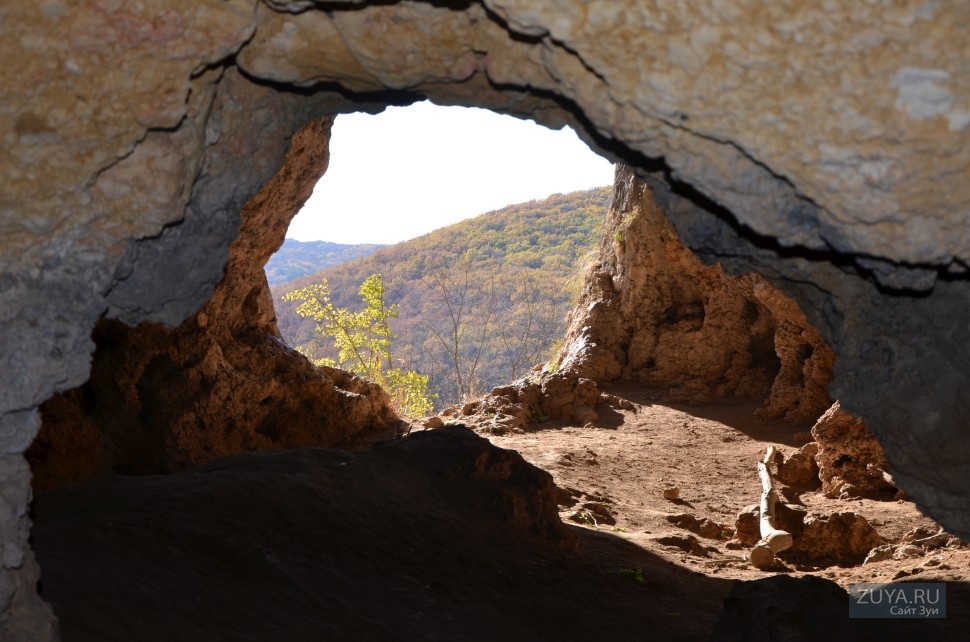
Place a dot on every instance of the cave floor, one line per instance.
(710, 454)
(327, 545)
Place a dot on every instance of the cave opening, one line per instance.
(683, 380)
(476, 225)
(125, 186)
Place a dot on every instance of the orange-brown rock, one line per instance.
(843, 538)
(652, 312)
(534, 398)
(800, 468)
(220, 384)
(839, 173)
(703, 526)
(851, 462)
(840, 538)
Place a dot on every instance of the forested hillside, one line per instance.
(299, 258)
(481, 301)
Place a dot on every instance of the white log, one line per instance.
(773, 540)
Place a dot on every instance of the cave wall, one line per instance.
(830, 144)
(223, 382)
(652, 312)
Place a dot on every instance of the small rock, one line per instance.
(686, 543)
(747, 530)
(800, 468)
(879, 554)
(704, 527)
(616, 402)
(907, 573)
(920, 532)
(600, 512)
(671, 493)
(930, 538)
(583, 517)
(907, 551)
(434, 422)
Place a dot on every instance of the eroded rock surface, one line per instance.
(800, 468)
(842, 538)
(222, 383)
(851, 462)
(652, 312)
(838, 174)
(531, 399)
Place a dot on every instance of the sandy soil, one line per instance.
(389, 545)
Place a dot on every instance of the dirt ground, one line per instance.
(392, 544)
(710, 454)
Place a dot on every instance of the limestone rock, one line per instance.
(704, 526)
(434, 422)
(840, 538)
(880, 553)
(533, 399)
(850, 460)
(837, 175)
(652, 312)
(747, 525)
(223, 382)
(440, 506)
(687, 543)
(800, 468)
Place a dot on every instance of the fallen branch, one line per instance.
(773, 541)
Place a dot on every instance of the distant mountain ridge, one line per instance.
(300, 258)
(517, 272)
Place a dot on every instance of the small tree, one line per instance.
(363, 341)
(469, 306)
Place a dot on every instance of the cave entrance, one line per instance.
(200, 106)
(443, 521)
(477, 225)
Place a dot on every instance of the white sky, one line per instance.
(410, 170)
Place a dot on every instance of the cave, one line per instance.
(822, 148)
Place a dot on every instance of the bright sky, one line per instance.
(410, 170)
